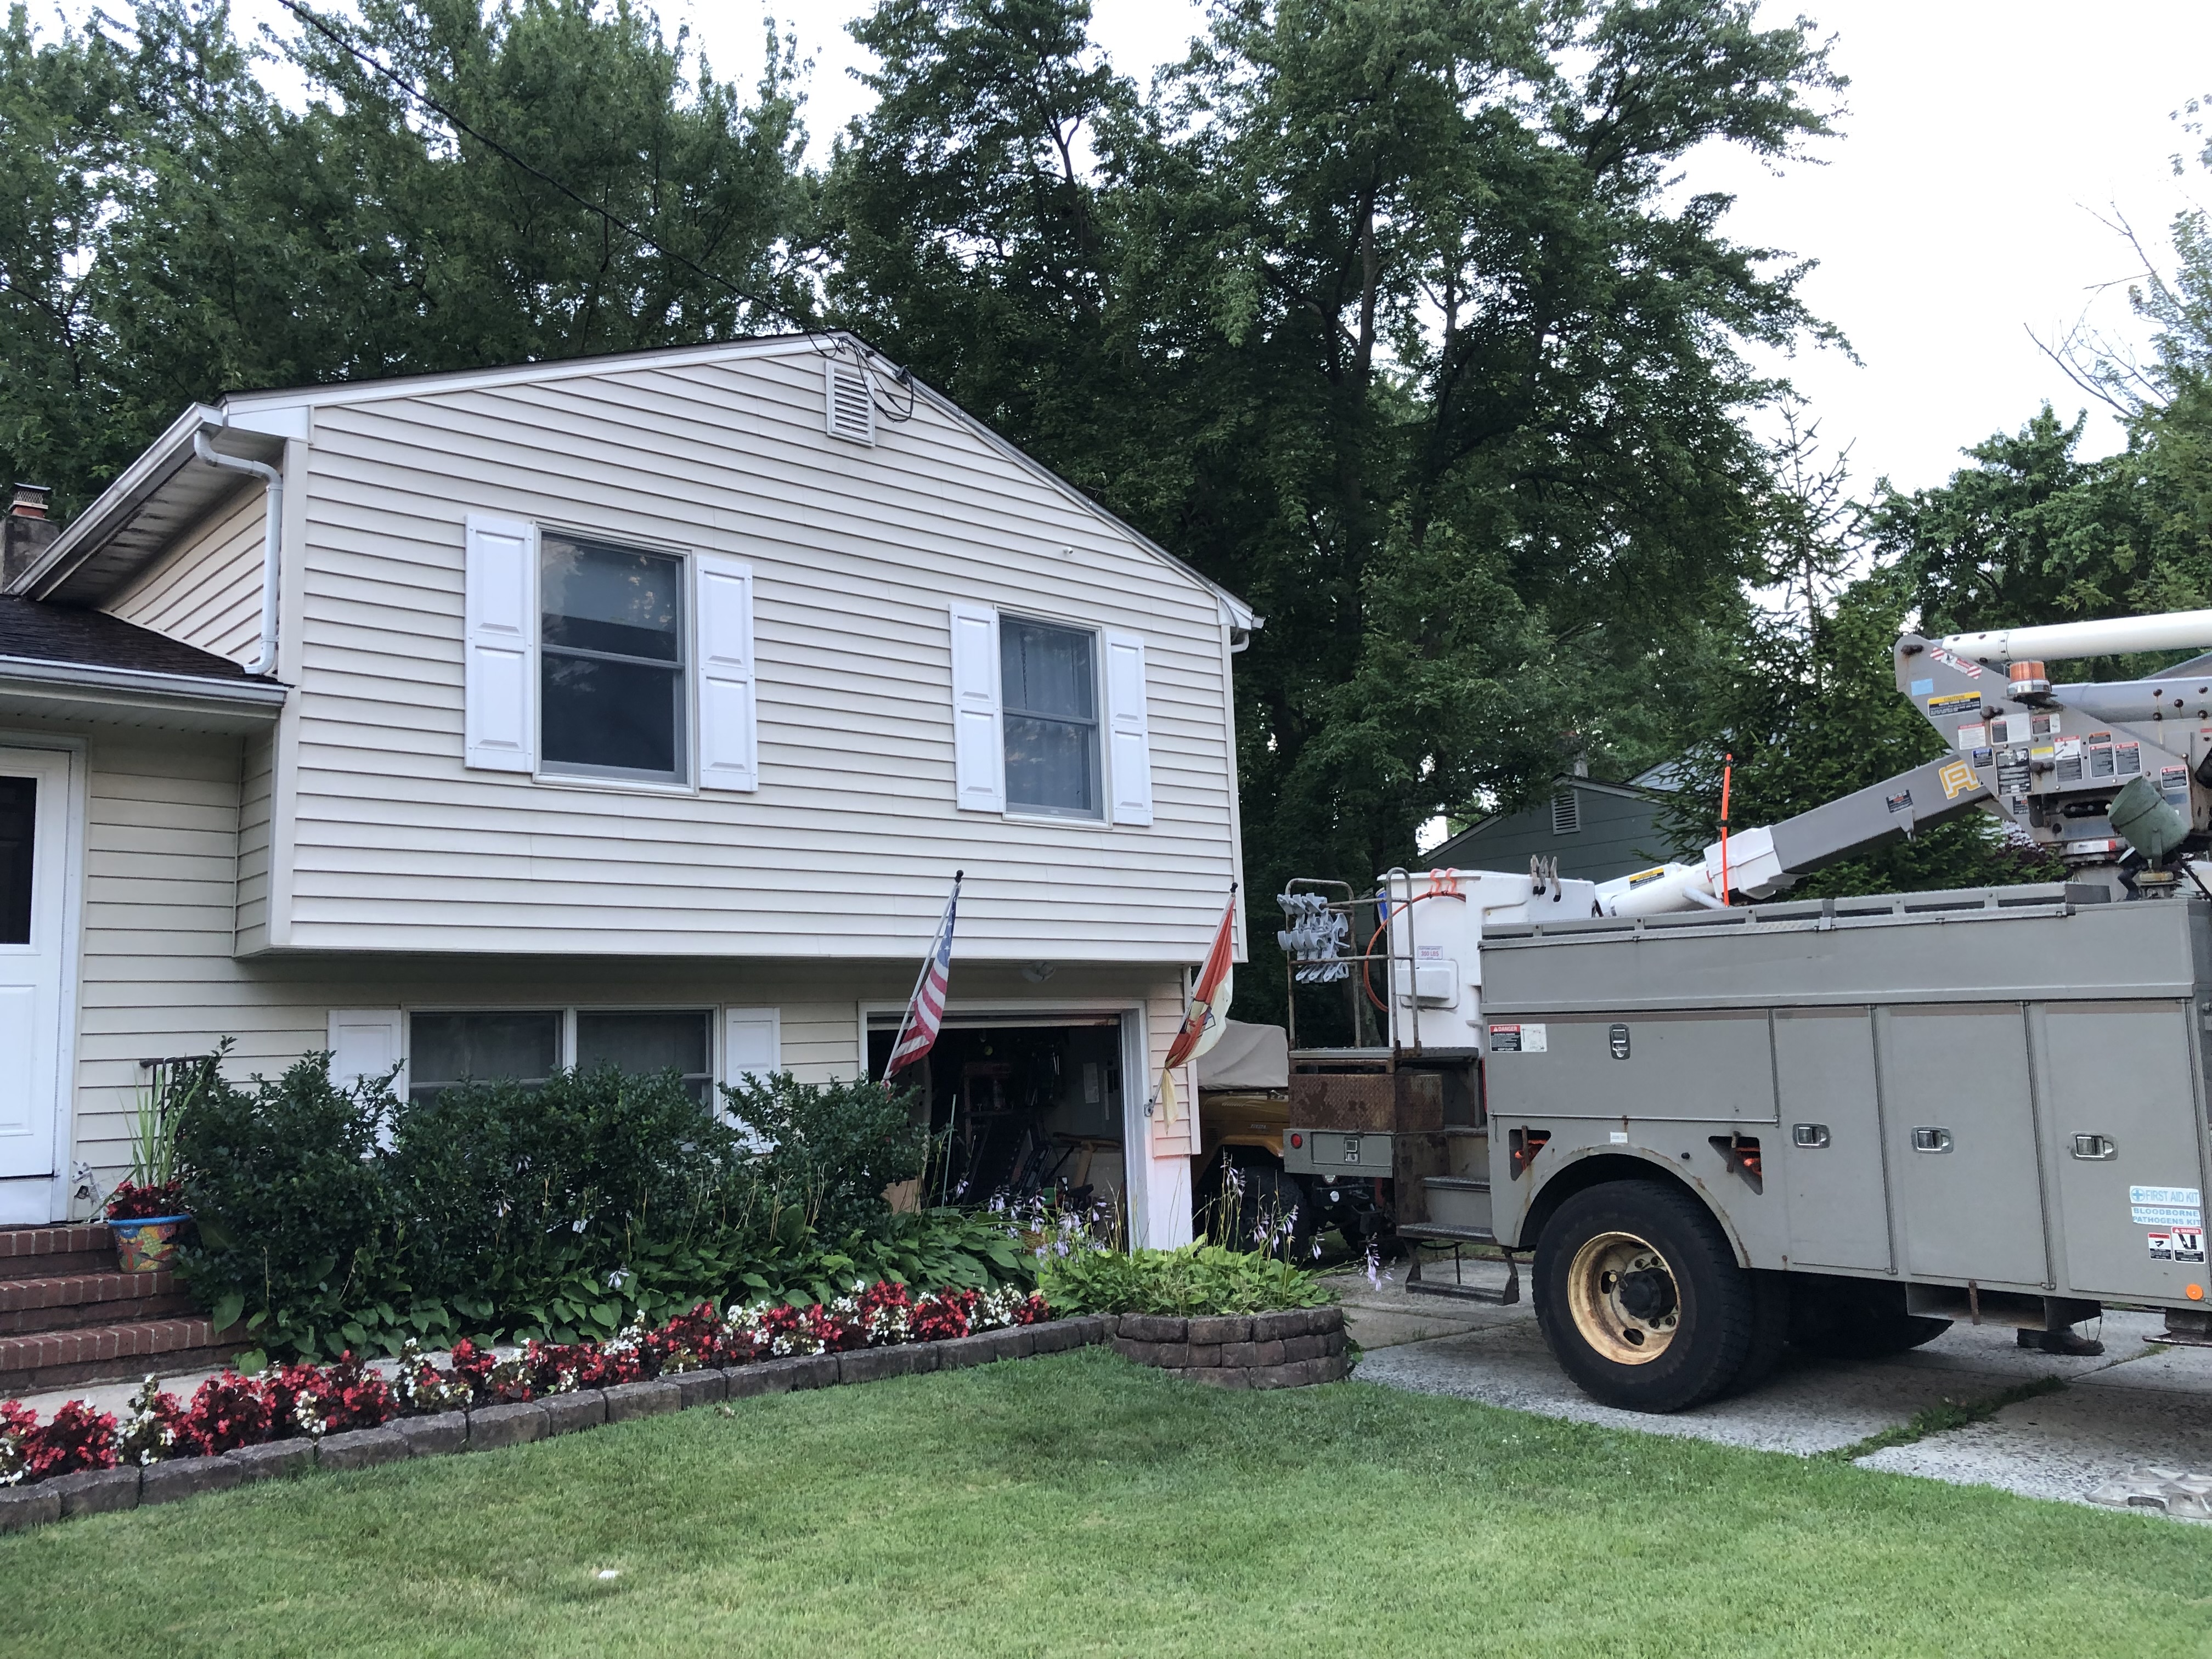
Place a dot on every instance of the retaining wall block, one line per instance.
(1268, 1351)
(874, 1364)
(279, 1460)
(1221, 1328)
(517, 1424)
(187, 1477)
(701, 1388)
(628, 1401)
(96, 1492)
(1154, 1328)
(428, 1436)
(806, 1370)
(750, 1381)
(957, 1353)
(362, 1448)
(580, 1409)
(29, 1506)
(1015, 1341)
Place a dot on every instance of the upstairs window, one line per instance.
(1048, 683)
(610, 666)
(1049, 720)
(588, 660)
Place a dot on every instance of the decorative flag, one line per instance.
(925, 1010)
(1209, 1007)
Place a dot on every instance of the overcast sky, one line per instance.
(1956, 215)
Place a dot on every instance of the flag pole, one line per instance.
(928, 956)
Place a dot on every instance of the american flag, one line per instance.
(926, 1011)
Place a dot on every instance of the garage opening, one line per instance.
(1023, 1107)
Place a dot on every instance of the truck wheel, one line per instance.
(1640, 1299)
(1855, 1319)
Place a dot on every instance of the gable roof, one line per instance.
(168, 488)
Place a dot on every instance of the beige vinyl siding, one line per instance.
(158, 976)
(847, 846)
(207, 591)
(258, 765)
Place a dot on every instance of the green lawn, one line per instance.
(1077, 1505)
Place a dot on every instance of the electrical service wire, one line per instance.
(826, 346)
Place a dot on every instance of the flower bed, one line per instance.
(293, 1402)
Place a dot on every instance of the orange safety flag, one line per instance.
(1202, 1026)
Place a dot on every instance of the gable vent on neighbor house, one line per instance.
(1566, 813)
(851, 412)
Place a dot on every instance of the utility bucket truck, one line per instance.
(1721, 1121)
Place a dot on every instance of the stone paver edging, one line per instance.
(486, 1428)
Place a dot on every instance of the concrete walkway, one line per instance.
(2140, 1405)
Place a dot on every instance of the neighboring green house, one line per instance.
(1595, 831)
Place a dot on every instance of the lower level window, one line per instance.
(527, 1048)
(651, 1042)
(443, 1049)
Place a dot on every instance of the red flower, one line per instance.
(78, 1439)
(229, 1411)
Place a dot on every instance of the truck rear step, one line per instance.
(1428, 1232)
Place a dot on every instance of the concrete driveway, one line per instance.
(2122, 1426)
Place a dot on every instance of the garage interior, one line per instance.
(1024, 1106)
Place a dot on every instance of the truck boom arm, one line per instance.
(1762, 862)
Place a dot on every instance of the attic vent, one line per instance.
(1566, 813)
(851, 410)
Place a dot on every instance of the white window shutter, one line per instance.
(979, 745)
(365, 1043)
(500, 677)
(729, 729)
(752, 1043)
(1129, 740)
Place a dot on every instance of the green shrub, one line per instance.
(505, 1193)
(293, 1212)
(334, 1218)
(828, 1149)
(1198, 1279)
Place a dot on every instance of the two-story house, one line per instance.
(635, 709)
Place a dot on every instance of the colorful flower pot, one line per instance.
(146, 1246)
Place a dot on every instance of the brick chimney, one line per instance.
(26, 531)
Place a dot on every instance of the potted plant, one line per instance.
(146, 1210)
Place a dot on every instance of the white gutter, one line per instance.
(39, 670)
(272, 519)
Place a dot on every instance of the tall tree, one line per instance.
(1384, 314)
(202, 236)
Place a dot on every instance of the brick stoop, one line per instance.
(67, 1317)
(55, 1252)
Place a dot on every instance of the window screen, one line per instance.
(443, 1049)
(1050, 688)
(650, 1043)
(19, 813)
(612, 642)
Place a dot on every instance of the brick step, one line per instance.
(112, 1353)
(55, 1252)
(30, 1305)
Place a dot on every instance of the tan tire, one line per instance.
(1640, 1298)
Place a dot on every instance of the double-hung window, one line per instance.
(1048, 681)
(611, 661)
(1049, 720)
(589, 659)
(442, 1047)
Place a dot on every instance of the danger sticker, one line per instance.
(2177, 1244)
(1958, 779)
(1519, 1039)
(1975, 735)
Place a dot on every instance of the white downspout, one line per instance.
(272, 507)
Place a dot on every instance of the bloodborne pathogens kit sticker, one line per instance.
(2174, 1208)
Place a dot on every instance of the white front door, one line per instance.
(34, 792)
